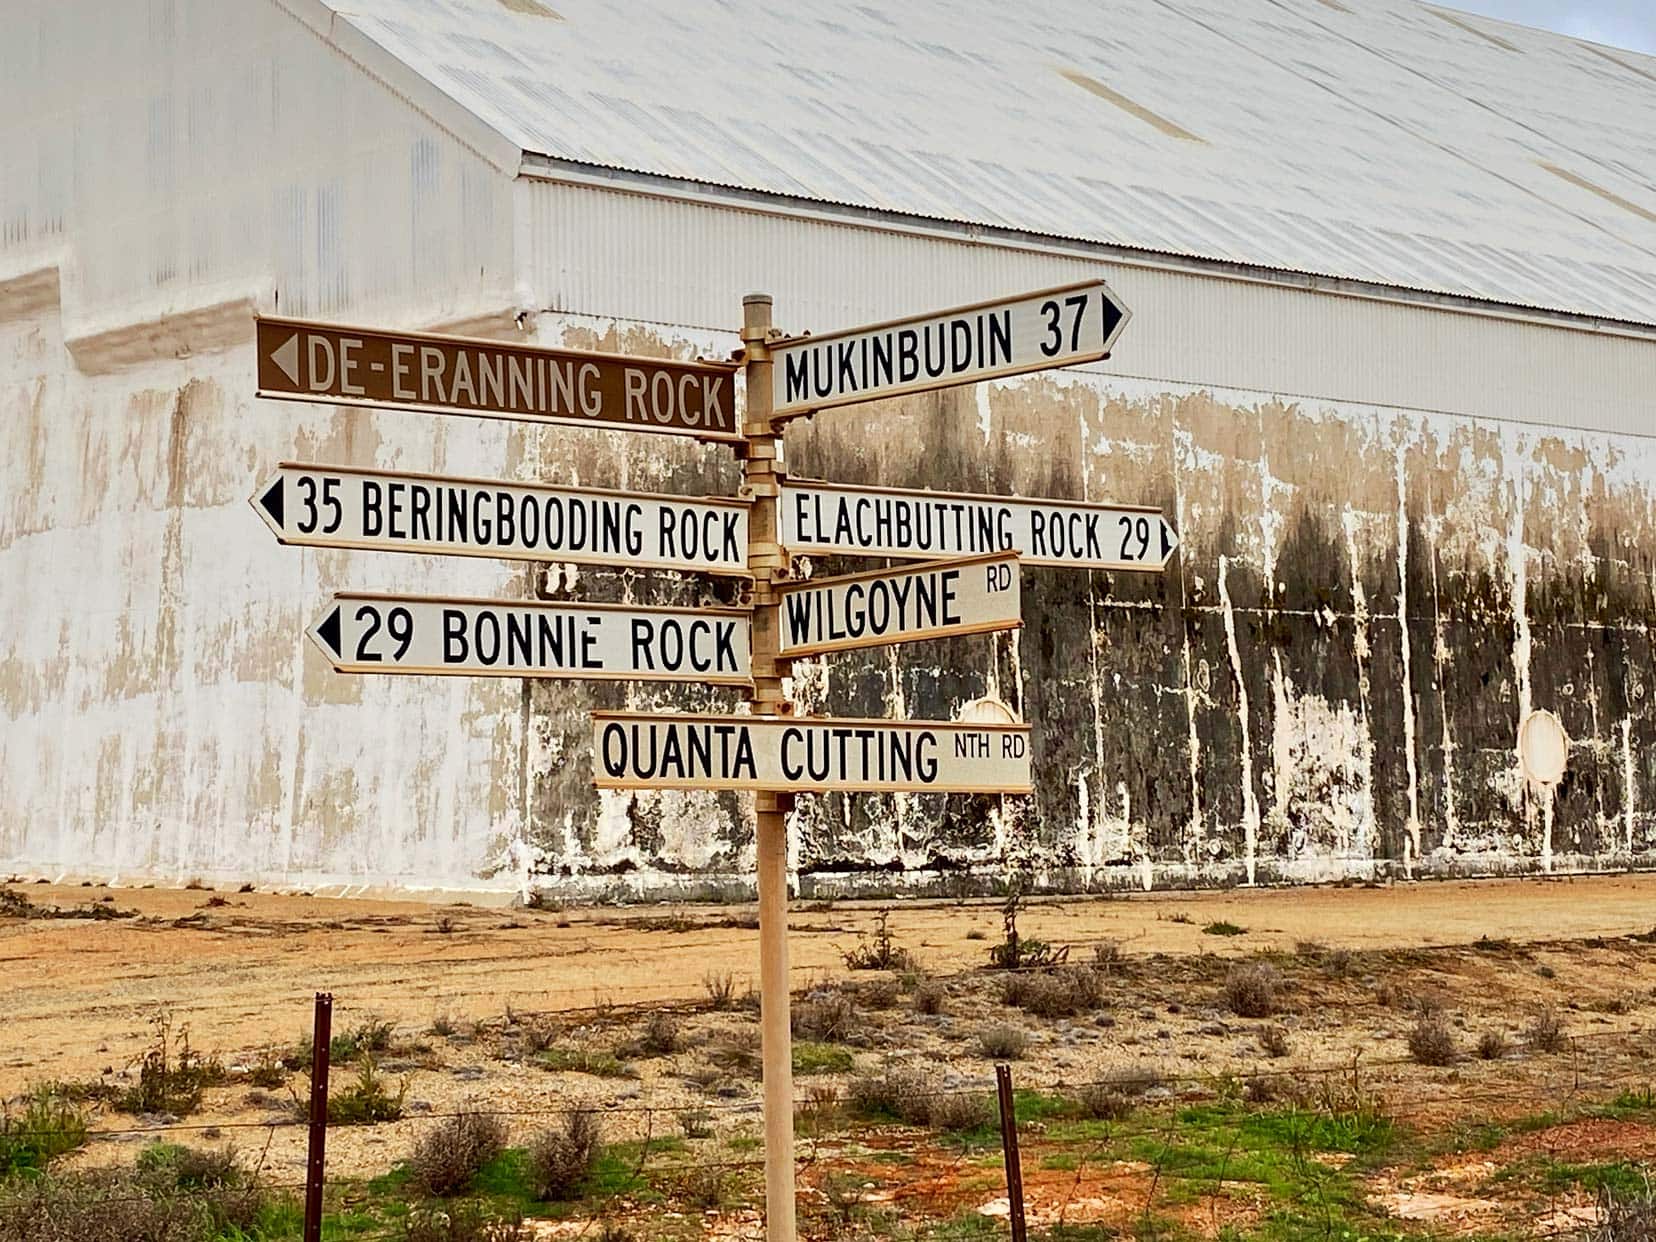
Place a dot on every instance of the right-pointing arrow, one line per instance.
(328, 632)
(1170, 539)
(286, 356)
(271, 502)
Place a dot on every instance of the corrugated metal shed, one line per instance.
(1377, 140)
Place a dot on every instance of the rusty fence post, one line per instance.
(316, 1160)
(1009, 1147)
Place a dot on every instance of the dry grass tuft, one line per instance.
(1252, 990)
(562, 1158)
(450, 1155)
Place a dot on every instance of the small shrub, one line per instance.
(1017, 952)
(1223, 928)
(1003, 1042)
(956, 1112)
(662, 1036)
(1115, 1094)
(537, 1035)
(128, 1206)
(46, 1127)
(445, 924)
(721, 990)
(562, 1158)
(829, 1017)
(705, 1187)
(450, 1155)
(977, 933)
(465, 1220)
(697, 1123)
(879, 994)
(898, 1093)
(366, 1102)
(584, 1059)
(372, 1035)
(814, 1058)
(267, 1069)
(443, 1024)
(171, 1075)
(1492, 1046)
(1432, 1041)
(1062, 993)
(1625, 1214)
(172, 1166)
(1273, 1039)
(1252, 990)
(1108, 956)
(736, 1052)
(881, 953)
(930, 997)
(1545, 1032)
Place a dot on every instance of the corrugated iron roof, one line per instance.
(1378, 140)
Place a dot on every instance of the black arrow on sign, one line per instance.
(328, 631)
(1167, 544)
(1112, 317)
(271, 502)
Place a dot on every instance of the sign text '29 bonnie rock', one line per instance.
(634, 750)
(503, 638)
(301, 361)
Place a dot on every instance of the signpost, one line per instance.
(885, 606)
(986, 340)
(503, 638)
(341, 507)
(974, 546)
(635, 750)
(300, 361)
(883, 521)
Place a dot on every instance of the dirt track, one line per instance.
(80, 994)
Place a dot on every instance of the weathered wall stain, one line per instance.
(1327, 683)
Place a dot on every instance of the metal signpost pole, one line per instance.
(760, 463)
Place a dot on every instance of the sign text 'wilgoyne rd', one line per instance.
(882, 521)
(884, 606)
(300, 361)
(649, 751)
(987, 340)
(417, 634)
(339, 507)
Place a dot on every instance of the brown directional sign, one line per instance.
(300, 361)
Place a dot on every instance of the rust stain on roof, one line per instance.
(1129, 106)
(1608, 196)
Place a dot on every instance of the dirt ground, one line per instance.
(460, 984)
(79, 994)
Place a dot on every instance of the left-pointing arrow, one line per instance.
(271, 502)
(286, 356)
(328, 632)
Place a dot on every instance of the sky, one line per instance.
(1619, 23)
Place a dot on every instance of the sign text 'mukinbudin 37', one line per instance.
(1035, 332)
(301, 361)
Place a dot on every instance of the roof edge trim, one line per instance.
(414, 90)
(657, 185)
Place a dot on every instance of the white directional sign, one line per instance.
(339, 507)
(894, 606)
(650, 751)
(881, 521)
(1036, 332)
(415, 634)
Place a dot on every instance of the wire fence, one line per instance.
(1142, 1163)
